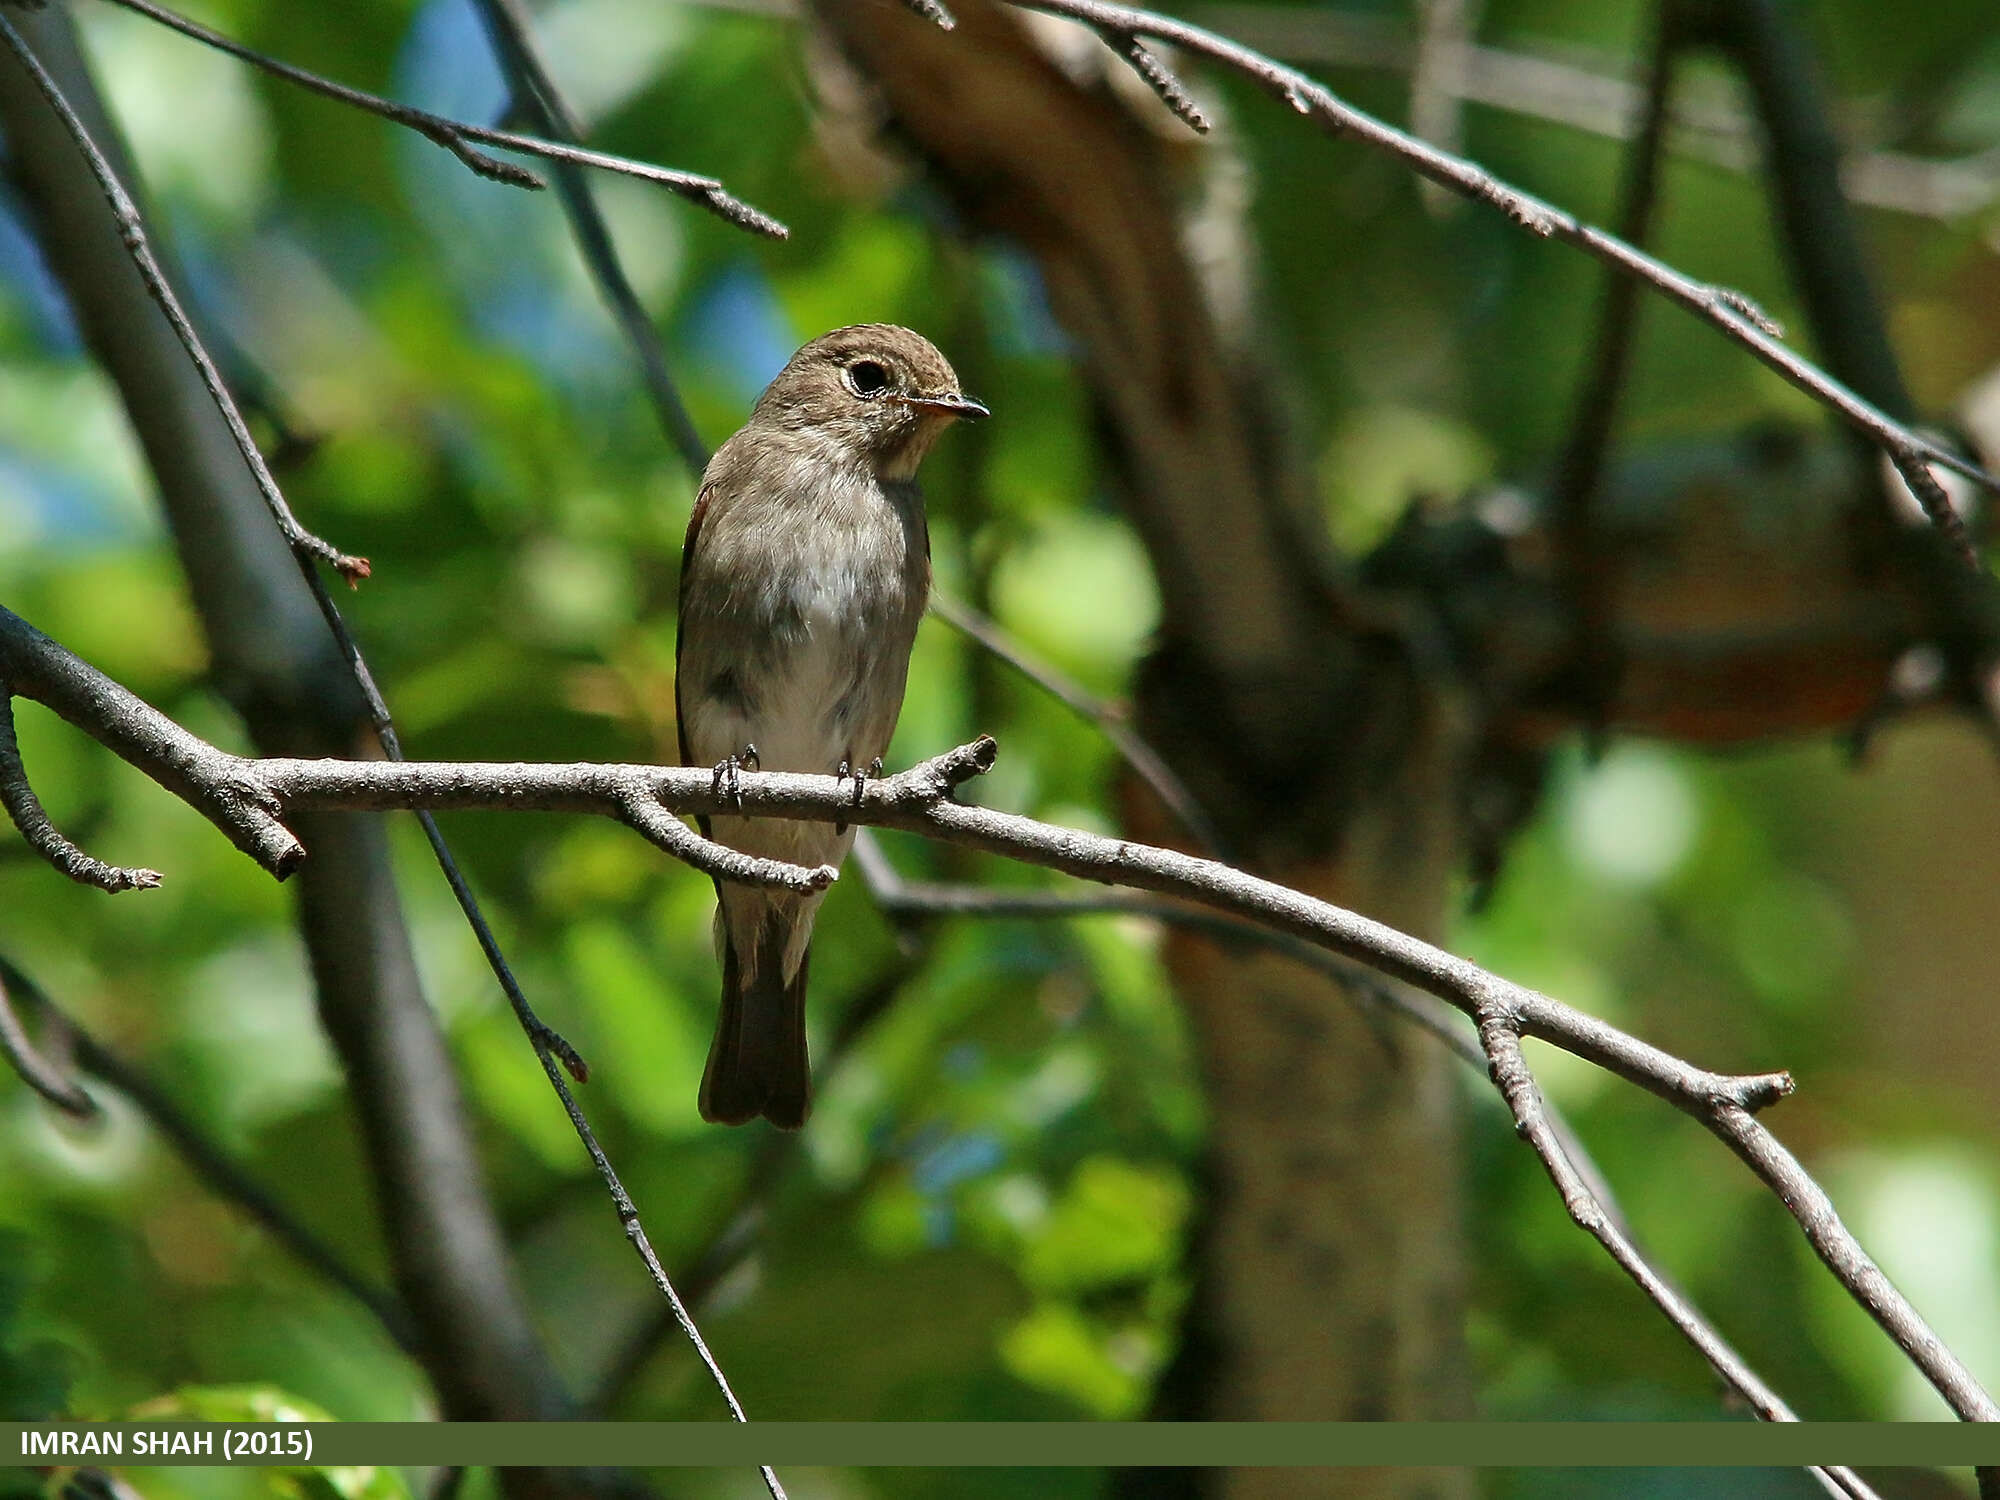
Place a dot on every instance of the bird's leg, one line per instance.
(860, 778)
(728, 774)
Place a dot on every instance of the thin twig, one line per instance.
(1540, 85)
(17, 794)
(1724, 309)
(42, 1075)
(1579, 470)
(535, 92)
(1161, 80)
(1106, 718)
(132, 228)
(1585, 1192)
(458, 136)
(1500, 1041)
(209, 1162)
(741, 1223)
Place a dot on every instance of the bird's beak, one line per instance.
(952, 404)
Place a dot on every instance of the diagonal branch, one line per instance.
(462, 138)
(535, 92)
(1730, 312)
(1109, 720)
(40, 1073)
(1585, 1194)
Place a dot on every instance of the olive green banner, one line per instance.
(1002, 1444)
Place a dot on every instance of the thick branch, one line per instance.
(190, 768)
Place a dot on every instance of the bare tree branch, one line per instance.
(923, 800)
(132, 227)
(137, 732)
(1728, 311)
(535, 92)
(40, 1073)
(1538, 85)
(25, 808)
(1586, 1196)
(459, 136)
(1108, 719)
(211, 781)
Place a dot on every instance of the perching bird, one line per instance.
(806, 570)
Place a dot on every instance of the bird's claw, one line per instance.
(860, 779)
(729, 774)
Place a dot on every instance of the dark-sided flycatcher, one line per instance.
(806, 570)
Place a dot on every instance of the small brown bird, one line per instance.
(806, 570)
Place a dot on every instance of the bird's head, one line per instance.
(874, 389)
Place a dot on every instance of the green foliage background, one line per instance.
(987, 1216)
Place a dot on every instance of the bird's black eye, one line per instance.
(866, 378)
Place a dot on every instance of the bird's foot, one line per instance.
(729, 774)
(860, 778)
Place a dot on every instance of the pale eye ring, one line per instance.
(867, 379)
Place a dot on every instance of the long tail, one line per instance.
(757, 1063)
